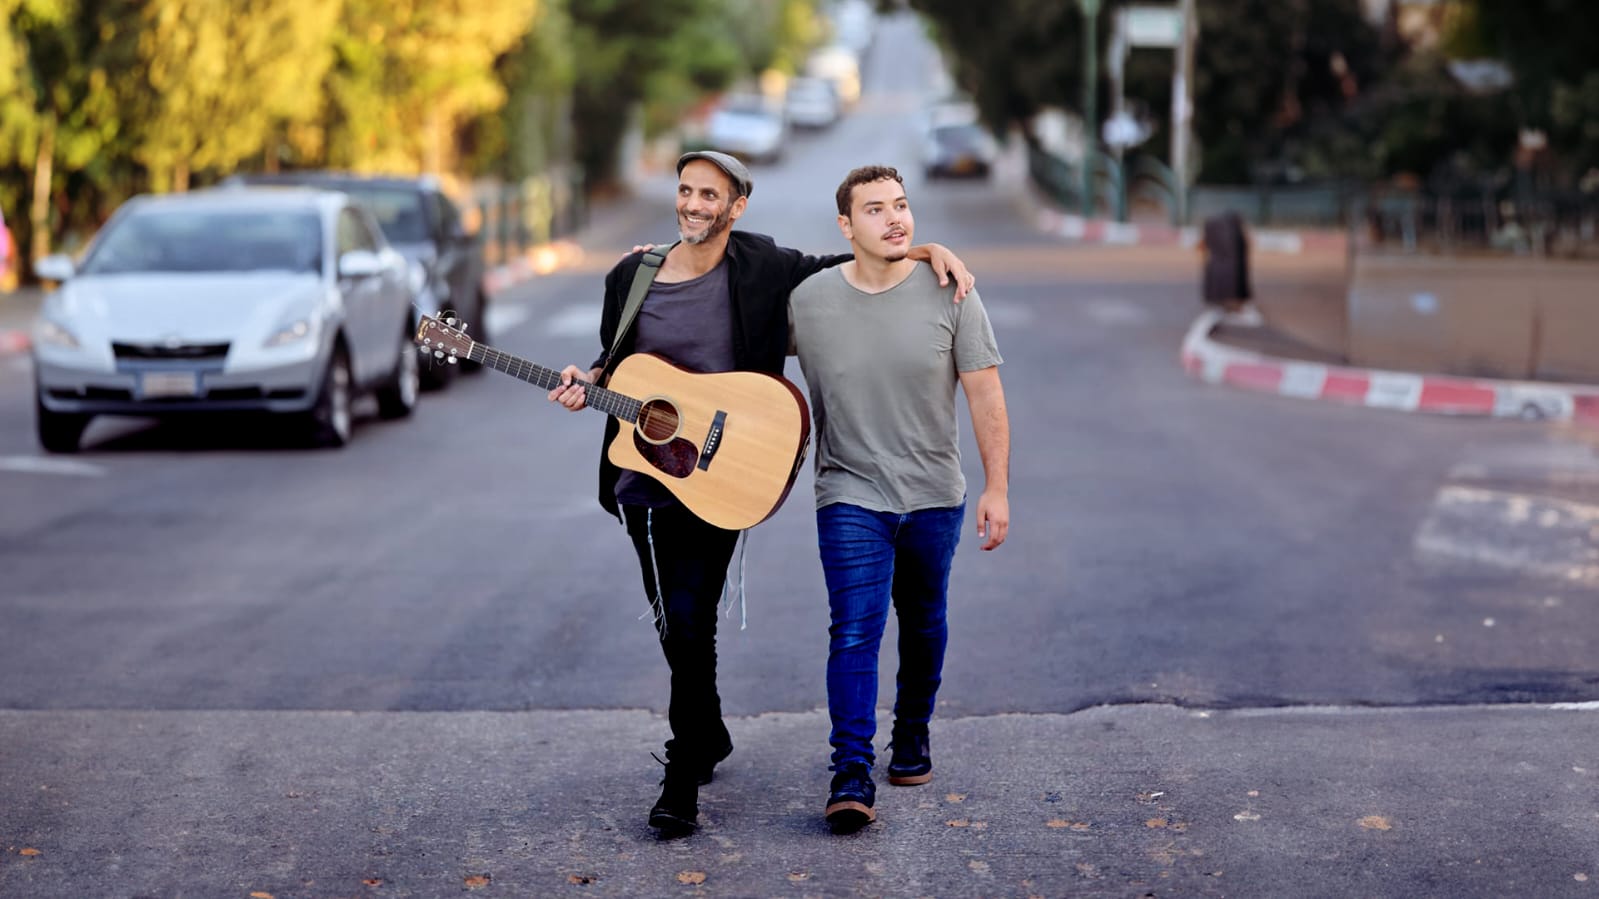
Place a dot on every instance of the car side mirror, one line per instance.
(55, 267)
(360, 264)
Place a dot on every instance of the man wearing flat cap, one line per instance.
(718, 303)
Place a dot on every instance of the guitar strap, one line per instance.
(643, 277)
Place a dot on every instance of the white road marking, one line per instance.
(45, 465)
(1555, 464)
(1107, 311)
(1522, 532)
(578, 321)
(504, 317)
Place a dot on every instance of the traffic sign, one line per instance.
(1154, 26)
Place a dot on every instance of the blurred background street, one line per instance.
(1236, 645)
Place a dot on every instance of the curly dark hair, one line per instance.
(866, 174)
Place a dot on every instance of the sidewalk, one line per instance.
(1283, 343)
(1119, 801)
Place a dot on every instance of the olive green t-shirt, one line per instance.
(882, 370)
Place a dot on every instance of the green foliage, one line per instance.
(1549, 46)
(408, 74)
(534, 133)
(663, 54)
(100, 99)
(219, 76)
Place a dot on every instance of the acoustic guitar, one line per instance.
(726, 444)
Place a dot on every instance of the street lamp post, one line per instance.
(1090, 96)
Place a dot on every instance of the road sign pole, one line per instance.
(1090, 96)
(1182, 105)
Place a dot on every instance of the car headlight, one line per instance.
(297, 331)
(56, 335)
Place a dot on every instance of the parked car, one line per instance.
(420, 221)
(841, 66)
(961, 150)
(747, 126)
(811, 103)
(247, 300)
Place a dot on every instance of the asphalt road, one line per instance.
(230, 666)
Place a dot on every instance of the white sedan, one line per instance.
(284, 301)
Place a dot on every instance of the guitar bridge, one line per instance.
(713, 440)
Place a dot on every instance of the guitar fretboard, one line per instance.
(608, 401)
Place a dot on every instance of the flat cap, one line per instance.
(735, 170)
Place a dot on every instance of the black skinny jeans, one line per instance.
(691, 558)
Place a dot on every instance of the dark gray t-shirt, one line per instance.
(882, 370)
(689, 324)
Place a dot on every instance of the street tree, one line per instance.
(59, 116)
(409, 75)
(220, 76)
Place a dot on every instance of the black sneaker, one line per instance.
(677, 812)
(849, 807)
(910, 759)
(709, 769)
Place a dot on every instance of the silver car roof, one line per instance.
(244, 198)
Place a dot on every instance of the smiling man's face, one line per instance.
(707, 203)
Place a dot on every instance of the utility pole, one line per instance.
(1090, 96)
(1182, 104)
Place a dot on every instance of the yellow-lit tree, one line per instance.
(220, 76)
(409, 73)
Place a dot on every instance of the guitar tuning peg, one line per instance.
(452, 359)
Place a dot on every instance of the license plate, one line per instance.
(170, 383)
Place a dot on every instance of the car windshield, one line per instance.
(398, 211)
(190, 240)
(959, 137)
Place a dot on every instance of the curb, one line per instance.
(1216, 363)
(543, 259)
(14, 341)
(1108, 233)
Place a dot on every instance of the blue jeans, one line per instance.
(872, 559)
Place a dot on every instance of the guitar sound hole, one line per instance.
(657, 421)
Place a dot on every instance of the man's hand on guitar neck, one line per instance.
(571, 393)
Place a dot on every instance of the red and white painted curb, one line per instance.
(1217, 363)
(1126, 234)
(14, 341)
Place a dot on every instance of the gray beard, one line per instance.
(717, 226)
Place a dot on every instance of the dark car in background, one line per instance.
(423, 224)
(958, 150)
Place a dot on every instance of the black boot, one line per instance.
(677, 811)
(849, 806)
(910, 757)
(707, 768)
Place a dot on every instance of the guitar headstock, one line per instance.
(445, 340)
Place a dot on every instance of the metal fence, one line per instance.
(512, 218)
(1550, 224)
(1498, 218)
